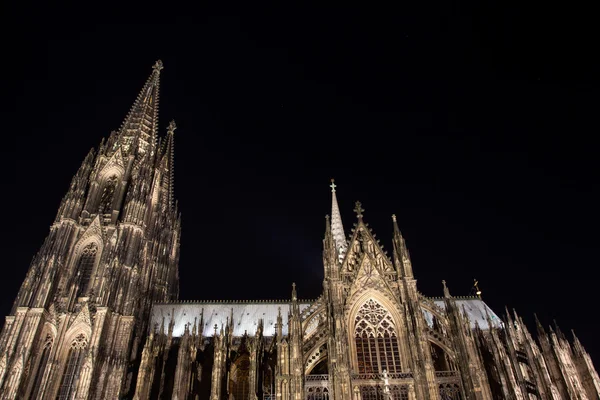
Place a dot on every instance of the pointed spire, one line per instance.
(337, 229)
(168, 162)
(294, 294)
(138, 132)
(539, 326)
(401, 255)
(446, 291)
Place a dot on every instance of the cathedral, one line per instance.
(98, 315)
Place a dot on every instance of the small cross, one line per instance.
(358, 209)
(158, 66)
(332, 186)
(171, 128)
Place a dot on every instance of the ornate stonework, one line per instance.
(98, 315)
(79, 321)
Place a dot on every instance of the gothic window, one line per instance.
(317, 393)
(240, 383)
(108, 193)
(376, 340)
(450, 391)
(71, 371)
(85, 266)
(39, 375)
(378, 392)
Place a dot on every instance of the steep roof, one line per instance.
(246, 314)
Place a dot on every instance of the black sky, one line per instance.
(474, 122)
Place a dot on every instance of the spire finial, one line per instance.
(333, 185)
(158, 66)
(446, 291)
(394, 217)
(172, 126)
(476, 288)
(358, 209)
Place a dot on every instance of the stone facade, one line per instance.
(80, 317)
(98, 315)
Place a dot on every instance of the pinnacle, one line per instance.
(172, 127)
(158, 66)
(358, 209)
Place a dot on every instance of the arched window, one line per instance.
(317, 393)
(85, 266)
(376, 340)
(108, 193)
(239, 383)
(72, 367)
(41, 368)
(450, 391)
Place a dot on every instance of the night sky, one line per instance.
(474, 122)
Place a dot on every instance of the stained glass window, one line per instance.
(376, 340)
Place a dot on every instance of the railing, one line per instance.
(312, 381)
(397, 375)
(323, 377)
(446, 374)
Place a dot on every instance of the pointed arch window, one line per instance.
(376, 340)
(85, 266)
(75, 357)
(41, 368)
(240, 379)
(108, 193)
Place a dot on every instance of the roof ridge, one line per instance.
(273, 301)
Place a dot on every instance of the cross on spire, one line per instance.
(358, 209)
(332, 186)
(394, 217)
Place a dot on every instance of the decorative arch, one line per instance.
(317, 354)
(374, 334)
(46, 345)
(239, 378)
(87, 255)
(74, 355)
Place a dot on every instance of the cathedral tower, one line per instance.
(112, 251)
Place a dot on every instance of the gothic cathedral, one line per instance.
(98, 315)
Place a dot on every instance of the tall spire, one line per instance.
(168, 161)
(401, 255)
(337, 229)
(139, 130)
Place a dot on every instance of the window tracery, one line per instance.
(108, 193)
(240, 382)
(72, 367)
(317, 393)
(85, 266)
(377, 392)
(39, 375)
(376, 340)
(450, 391)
